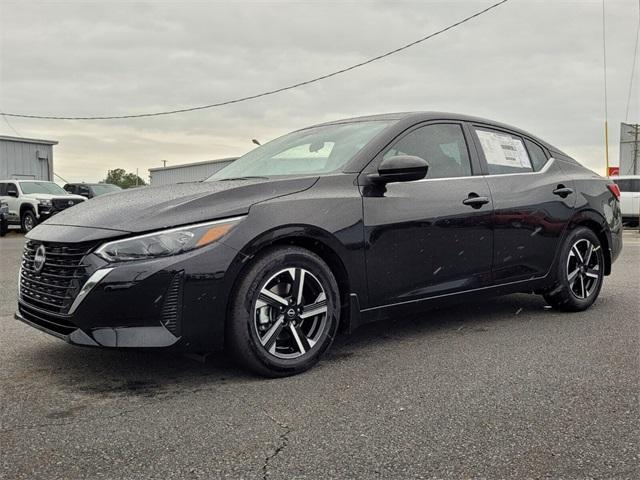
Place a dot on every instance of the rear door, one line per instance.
(533, 202)
(422, 239)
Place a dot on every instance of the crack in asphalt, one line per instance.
(284, 441)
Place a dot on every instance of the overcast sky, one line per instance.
(536, 64)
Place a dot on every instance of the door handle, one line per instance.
(475, 201)
(563, 191)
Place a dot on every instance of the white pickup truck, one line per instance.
(629, 186)
(31, 202)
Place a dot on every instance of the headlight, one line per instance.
(166, 242)
(45, 202)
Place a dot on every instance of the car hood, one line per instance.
(49, 196)
(152, 208)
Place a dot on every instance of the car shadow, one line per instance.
(144, 373)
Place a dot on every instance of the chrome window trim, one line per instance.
(448, 178)
(542, 170)
(93, 280)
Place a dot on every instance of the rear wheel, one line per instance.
(284, 313)
(28, 221)
(580, 272)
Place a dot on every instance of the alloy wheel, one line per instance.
(583, 268)
(290, 313)
(28, 223)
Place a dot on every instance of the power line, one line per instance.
(269, 92)
(633, 65)
(63, 179)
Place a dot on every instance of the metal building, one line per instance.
(188, 172)
(26, 158)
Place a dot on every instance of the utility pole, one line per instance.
(636, 127)
(606, 106)
(629, 149)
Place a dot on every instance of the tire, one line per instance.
(28, 221)
(274, 340)
(579, 274)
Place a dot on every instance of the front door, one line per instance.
(11, 198)
(431, 236)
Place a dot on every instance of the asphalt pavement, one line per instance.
(506, 388)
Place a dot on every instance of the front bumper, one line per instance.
(177, 302)
(116, 337)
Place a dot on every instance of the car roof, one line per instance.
(426, 116)
(25, 180)
(89, 184)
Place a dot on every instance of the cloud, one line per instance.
(535, 64)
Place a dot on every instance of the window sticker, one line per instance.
(502, 149)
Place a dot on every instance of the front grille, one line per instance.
(53, 288)
(62, 203)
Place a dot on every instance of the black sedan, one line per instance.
(320, 231)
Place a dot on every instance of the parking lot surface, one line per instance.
(503, 388)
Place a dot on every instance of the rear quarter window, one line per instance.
(504, 153)
(536, 154)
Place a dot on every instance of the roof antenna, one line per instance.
(256, 141)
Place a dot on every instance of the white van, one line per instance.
(629, 186)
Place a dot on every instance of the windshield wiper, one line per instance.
(241, 178)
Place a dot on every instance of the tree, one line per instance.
(123, 179)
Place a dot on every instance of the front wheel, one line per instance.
(580, 271)
(28, 221)
(284, 313)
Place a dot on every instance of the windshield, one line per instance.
(42, 187)
(313, 151)
(104, 188)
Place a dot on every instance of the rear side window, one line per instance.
(628, 184)
(442, 145)
(536, 154)
(505, 153)
(3, 188)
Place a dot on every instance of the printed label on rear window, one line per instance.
(503, 150)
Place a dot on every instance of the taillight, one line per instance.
(615, 189)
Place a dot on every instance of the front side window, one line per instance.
(443, 146)
(12, 188)
(504, 153)
(313, 151)
(42, 187)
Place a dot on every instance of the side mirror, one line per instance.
(12, 192)
(401, 168)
